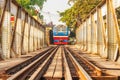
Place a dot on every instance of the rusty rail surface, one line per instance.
(82, 73)
(55, 69)
(74, 67)
(38, 74)
(27, 71)
(71, 65)
(18, 67)
(93, 71)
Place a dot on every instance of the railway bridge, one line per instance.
(25, 55)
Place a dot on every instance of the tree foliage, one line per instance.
(78, 11)
(71, 1)
(26, 4)
(118, 12)
(38, 2)
(118, 16)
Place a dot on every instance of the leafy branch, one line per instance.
(77, 12)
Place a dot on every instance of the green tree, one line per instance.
(78, 11)
(24, 3)
(38, 2)
(27, 5)
(118, 15)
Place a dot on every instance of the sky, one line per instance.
(50, 9)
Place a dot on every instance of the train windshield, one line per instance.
(60, 31)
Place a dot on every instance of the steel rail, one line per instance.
(68, 75)
(18, 67)
(96, 69)
(54, 64)
(18, 74)
(92, 70)
(82, 73)
(73, 69)
(42, 68)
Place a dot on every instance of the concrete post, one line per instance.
(35, 38)
(38, 36)
(113, 33)
(81, 37)
(93, 35)
(6, 32)
(31, 36)
(43, 38)
(23, 17)
(2, 7)
(101, 42)
(89, 34)
(25, 41)
(18, 34)
(28, 33)
(81, 40)
(84, 36)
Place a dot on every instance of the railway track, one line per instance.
(89, 69)
(55, 69)
(72, 70)
(26, 72)
(76, 70)
(18, 67)
(57, 63)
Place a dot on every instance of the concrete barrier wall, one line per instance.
(21, 33)
(100, 35)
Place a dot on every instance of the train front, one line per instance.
(60, 35)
